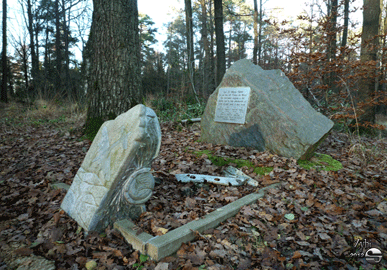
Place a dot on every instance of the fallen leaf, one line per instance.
(91, 265)
(324, 236)
(296, 255)
(289, 216)
(24, 251)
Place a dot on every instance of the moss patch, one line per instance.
(223, 161)
(92, 127)
(263, 170)
(321, 162)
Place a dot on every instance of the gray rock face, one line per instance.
(114, 180)
(278, 118)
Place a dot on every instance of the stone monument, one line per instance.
(262, 109)
(114, 180)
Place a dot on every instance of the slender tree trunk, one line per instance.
(37, 71)
(332, 46)
(368, 55)
(4, 92)
(229, 46)
(66, 25)
(310, 37)
(23, 53)
(260, 33)
(206, 65)
(346, 19)
(34, 59)
(188, 23)
(243, 41)
(220, 51)
(190, 50)
(255, 50)
(58, 80)
(46, 61)
(212, 82)
(114, 84)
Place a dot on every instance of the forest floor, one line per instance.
(315, 220)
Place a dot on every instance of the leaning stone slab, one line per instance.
(262, 109)
(114, 180)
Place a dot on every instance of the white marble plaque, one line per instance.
(231, 106)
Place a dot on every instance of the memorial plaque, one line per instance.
(231, 106)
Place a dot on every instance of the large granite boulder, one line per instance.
(262, 109)
(114, 180)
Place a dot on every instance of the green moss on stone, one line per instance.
(263, 170)
(321, 162)
(223, 161)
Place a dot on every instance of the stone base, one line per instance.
(165, 245)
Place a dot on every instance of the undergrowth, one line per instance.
(64, 116)
(173, 109)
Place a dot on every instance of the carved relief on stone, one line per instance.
(114, 180)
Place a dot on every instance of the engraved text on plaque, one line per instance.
(232, 104)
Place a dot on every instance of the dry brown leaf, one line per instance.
(296, 255)
(24, 251)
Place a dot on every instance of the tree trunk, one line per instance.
(58, 49)
(4, 92)
(23, 53)
(229, 46)
(188, 24)
(346, 19)
(368, 55)
(113, 54)
(46, 64)
(190, 50)
(212, 82)
(66, 26)
(220, 51)
(332, 45)
(206, 65)
(34, 59)
(260, 33)
(255, 50)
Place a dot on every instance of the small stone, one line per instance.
(162, 266)
(383, 207)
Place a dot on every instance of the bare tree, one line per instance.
(220, 50)
(58, 45)
(4, 96)
(255, 50)
(206, 65)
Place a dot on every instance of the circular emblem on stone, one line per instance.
(139, 186)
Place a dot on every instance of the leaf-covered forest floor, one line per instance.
(312, 221)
